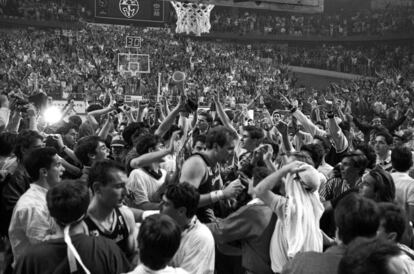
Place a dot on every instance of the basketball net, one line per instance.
(192, 17)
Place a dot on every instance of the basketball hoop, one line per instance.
(192, 17)
(178, 76)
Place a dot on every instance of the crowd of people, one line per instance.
(83, 63)
(50, 10)
(341, 24)
(230, 168)
(180, 189)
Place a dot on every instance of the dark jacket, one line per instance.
(316, 263)
(14, 187)
(252, 226)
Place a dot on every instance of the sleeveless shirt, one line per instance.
(206, 213)
(120, 233)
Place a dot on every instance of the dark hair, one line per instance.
(254, 132)
(85, 146)
(25, 139)
(358, 161)
(68, 201)
(388, 137)
(50, 141)
(219, 135)
(199, 138)
(209, 118)
(393, 219)
(145, 143)
(384, 186)
(158, 240)
(369, 152)
(129, 131)
(368, 256)
(39, 100)
(66, 128)
(170, 131)
(356, 216)
(326, 145)
(301, 156)
(259, 173)
(7, 141)
(230, 114)
(37, 159)
(321, 124)
(345, 126)
(184, 195)
(316, 153)
(401, 159)
(101, 171)
(75, 119)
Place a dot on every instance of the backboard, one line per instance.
(133, 64)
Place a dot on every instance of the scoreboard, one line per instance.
(130, 11)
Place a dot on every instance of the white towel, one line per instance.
(299, 226)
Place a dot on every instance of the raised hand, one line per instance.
(289, 102)
(182, 101)
(174, 137)
(216, 96)
(328, 105)
(233, 189)
(295, 166)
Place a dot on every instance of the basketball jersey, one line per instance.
(119, 234)
(206, 213)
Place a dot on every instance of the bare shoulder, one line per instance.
(194, 162)
(193, 171)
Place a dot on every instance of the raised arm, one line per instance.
(222, 114)
(399, 121)
(251, 103)
(152, 157)
(364, 127)
(103, 133)
(264, 189)
(339, 138)
(169, 120)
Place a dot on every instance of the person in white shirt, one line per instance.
(196, 253)
(147, 177)
(382, 146)
(402, 161)
(31, 222)
(158, 240)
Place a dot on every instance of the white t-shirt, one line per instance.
(142, 187)
(142, 269)
(404, 189)
(196, 253)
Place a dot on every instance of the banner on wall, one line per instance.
(131, 10)
(79, 107)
